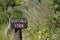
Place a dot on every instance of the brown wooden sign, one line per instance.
(18, 23)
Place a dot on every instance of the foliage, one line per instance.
(56, 4)
(56, 7)
(43, 22)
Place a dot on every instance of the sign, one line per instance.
(18, 23)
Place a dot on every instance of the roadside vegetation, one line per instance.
(43, 18)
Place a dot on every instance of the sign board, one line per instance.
(18, 23)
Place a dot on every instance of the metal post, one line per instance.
(17, 34)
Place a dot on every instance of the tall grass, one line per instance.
(38, 15)
(39, 21)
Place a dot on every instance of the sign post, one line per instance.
(17, 34)
(18, 24)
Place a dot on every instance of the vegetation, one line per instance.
(43, 18)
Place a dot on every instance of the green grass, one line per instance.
(3, 36)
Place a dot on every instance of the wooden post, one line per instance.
(17, 34)
(18, 24)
